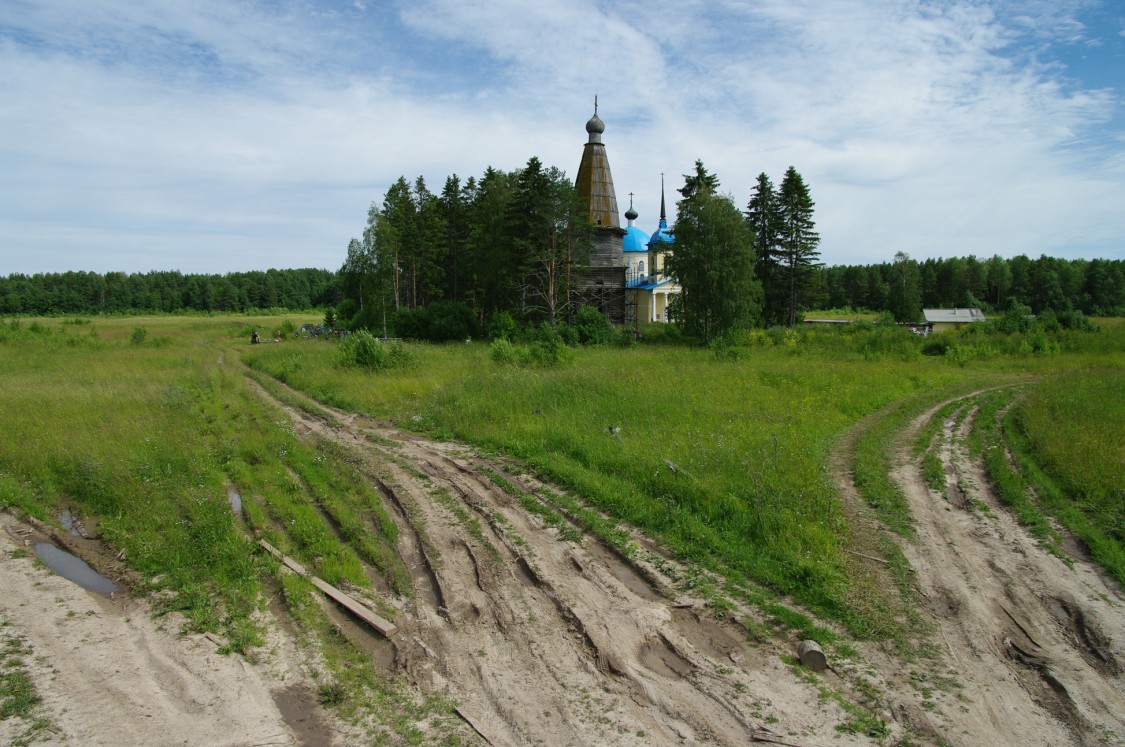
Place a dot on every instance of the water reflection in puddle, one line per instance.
(73, 568)
(72, 525)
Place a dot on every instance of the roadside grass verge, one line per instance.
(142, 441)
(989, 443)
(1066, 436)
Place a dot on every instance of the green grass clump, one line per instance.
(19, 698)
(1066, 435)
(933, 472)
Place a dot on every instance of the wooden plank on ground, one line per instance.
(385, 627)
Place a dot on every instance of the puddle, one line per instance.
(72, 525)
(235, 500)
(73, 568)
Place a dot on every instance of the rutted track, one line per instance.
(540, 640)
(1034, 641)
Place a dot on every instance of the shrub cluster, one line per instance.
(547, 349)
(441, 321)
(364, 350)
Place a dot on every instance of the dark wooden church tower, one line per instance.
(602, 283)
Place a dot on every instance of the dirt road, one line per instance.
(1035, 642)
(540, 639)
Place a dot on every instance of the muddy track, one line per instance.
(1032, 643)
(540, 640)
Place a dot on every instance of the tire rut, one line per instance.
(1020, 657)
(545, 641)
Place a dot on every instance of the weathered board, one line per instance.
(385, 627)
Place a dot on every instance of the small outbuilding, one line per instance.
(941, 319)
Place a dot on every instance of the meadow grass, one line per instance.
(143, 438)
(719, 453)
(1067, 437)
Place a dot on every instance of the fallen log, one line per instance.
(811, 656)
(385, 627)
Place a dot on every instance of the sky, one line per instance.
(216, 136)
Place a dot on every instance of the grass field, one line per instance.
(145, 423)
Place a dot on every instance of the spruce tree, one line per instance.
(798, 239)
(763, 213)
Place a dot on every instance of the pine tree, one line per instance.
(798, 239)
(905, 296)
(551, 238)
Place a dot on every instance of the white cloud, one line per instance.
(222, 136)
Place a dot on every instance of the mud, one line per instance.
(1032, 641)
(540, 640)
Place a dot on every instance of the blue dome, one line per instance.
(663, 234)
(636, 240)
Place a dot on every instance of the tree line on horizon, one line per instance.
(511, 242)
(1095, 287)
(167, 292)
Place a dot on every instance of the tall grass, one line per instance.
(1067, 434)
(719, 453)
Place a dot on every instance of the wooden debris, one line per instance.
(385, 627)
(765, 736)
(811, 656)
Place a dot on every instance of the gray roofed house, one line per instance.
(949, 318)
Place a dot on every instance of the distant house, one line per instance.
(941, 319)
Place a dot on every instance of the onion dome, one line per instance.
(635, 239)
(594, 183)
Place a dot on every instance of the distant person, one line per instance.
(254, 339)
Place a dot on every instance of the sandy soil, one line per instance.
(542, 641)
(109, 673)
(1035, 643)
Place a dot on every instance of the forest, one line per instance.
(511, 242)
(49, 294)
(1095, 287)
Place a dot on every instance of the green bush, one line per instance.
(140, 334)
(547, 349)
(503, 327)
(502, 351)
(441, 321)
(365, 350)
(592, 326)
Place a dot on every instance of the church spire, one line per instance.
(594, 183)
